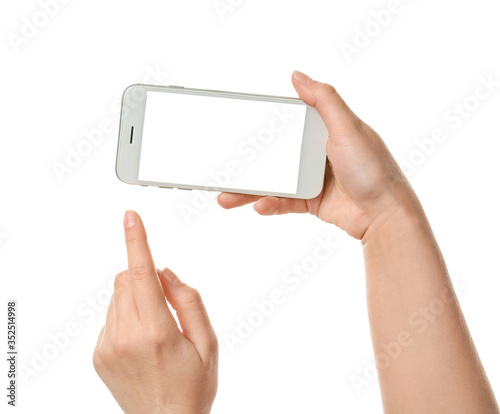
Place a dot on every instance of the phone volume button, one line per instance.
(176, 86)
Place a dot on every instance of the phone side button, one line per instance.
(165, 187)
(185, 189)
(176, 86)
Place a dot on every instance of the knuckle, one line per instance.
(327, 89)
(155, 338)
(140, 272)
(192, 296)
(122, 347)
(132, 236)
(190, 300)
(122, 279)
(97, 360)
(101, 358)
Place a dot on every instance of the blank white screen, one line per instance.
(221, 142)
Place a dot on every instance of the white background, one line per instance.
(62, 241)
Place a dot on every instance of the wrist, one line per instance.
(403, 217)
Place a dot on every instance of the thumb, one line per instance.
(191, 312)
(336, 115)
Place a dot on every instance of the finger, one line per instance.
(268, 206)
(191, 313)
(336, 115)
(126, 311)
(231, 200)
(109, 326)
(146, 286)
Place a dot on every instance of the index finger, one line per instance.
(147, 288)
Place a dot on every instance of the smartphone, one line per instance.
(197, 139)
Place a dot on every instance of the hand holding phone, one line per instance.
(363, 182)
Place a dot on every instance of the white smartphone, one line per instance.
(196, 139)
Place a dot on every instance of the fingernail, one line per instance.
(171, 277)
(301, 77)
(130, 218)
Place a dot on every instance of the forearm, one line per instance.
(426, 358)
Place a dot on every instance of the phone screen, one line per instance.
(221, 142)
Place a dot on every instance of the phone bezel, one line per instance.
(313, 151)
